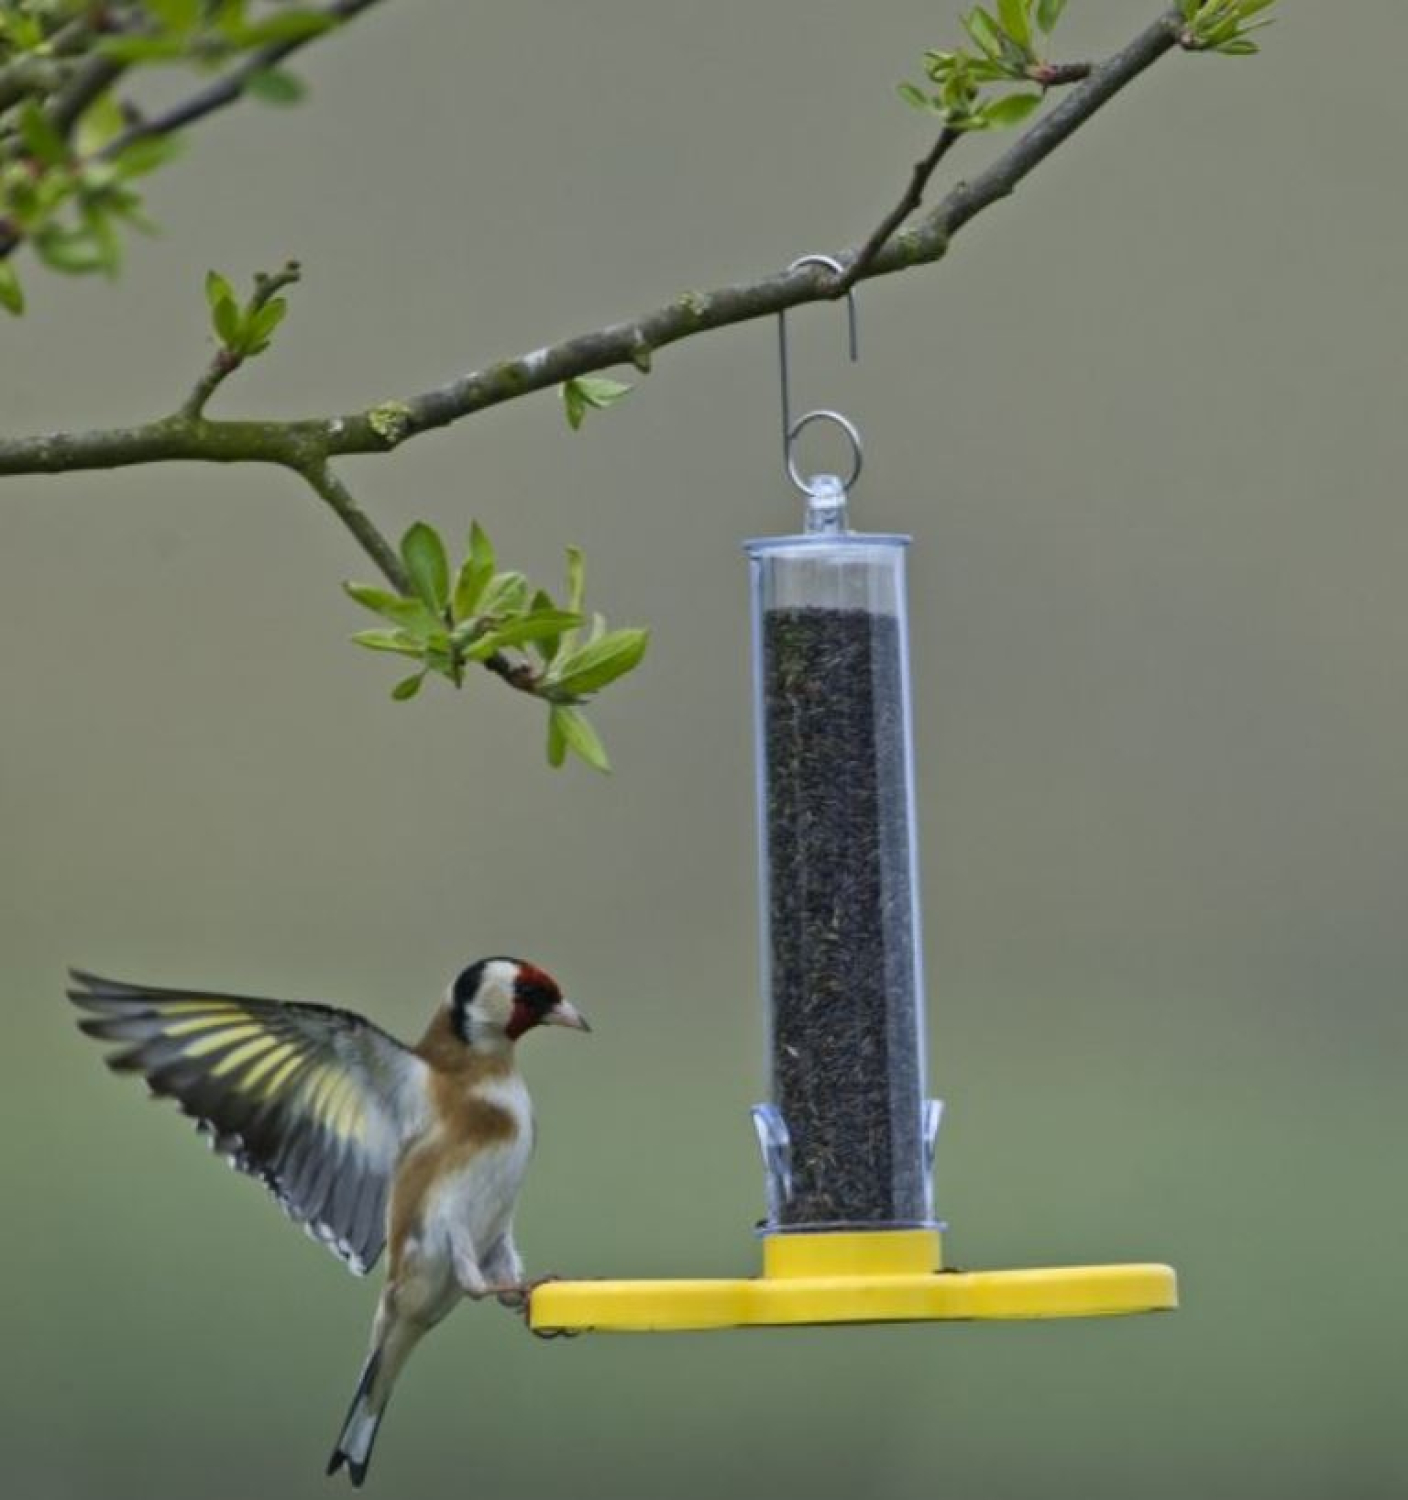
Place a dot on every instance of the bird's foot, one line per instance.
(526, 1310)
(517, 1296)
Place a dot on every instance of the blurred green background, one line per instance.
(1146, 426)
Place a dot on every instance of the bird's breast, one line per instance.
(468, 1169)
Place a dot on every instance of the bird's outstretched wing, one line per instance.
(315, 1102)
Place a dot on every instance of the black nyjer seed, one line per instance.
(845, 1023)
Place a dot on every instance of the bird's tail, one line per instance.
(355, 1441)
(393, 1339)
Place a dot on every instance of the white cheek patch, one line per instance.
(493, 1005)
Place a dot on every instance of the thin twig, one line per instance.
(357, 521)
(913, 197)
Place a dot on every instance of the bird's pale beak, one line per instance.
(564, 1013)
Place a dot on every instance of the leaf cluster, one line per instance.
(69, 200)
(244, 329)
(1223, 25)
(67, 172)
(479, 614)
(1004, 51)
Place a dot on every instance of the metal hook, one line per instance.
(792, 430)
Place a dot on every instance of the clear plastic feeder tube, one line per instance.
(848, 1137)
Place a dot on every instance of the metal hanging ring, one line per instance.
(836, 420)
(791, 429)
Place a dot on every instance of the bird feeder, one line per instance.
(848, 1135)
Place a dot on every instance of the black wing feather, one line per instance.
(314, 1101)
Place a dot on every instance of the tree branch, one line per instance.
(307, 444)
(356, 520)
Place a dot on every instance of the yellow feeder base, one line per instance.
(874, 1276)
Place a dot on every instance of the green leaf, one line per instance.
(11, 292)
(557, 741)
(576, 579)
(127, 206)
(574, 403)
(147, 154)
(537, 626)
(1011, 110)
(275, 86)
(594, 391)
(176, 15)
(504, 594)
(24, 31)
(984, 30)
(98, 225)
(398, 641)
(410, 614)
(1048, 13)
(101, 122)
(261, 323)
(424, 555)
(143, 49)
(916, 98)
(591, 667)
(474, 574)
(937, 64)
(217, 290)
(547, 646)
(576, 596)
(229, 325)
(601, 392)
(40, 138)
(224, 309)
(73, 250)
(579, 737)
(292, 26)
(1016, 22)
(408, 687)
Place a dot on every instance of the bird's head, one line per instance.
(499, 999)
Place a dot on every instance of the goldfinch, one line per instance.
(363, 1141)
